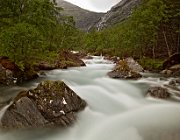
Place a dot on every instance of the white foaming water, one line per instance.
(117, 109)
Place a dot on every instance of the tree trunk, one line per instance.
(168, 48)
(178, 42)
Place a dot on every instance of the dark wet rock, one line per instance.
(173, 71)
(124, 75)
(22, 114)
(68, 59)
(178, 80)
(42, 73)
(46, 66)
(80, 55)
(115, 59)
(166, 72)
(126, 69)
(7, 71)
(175, 67)
(8, 64)
(6, 76)
(88, 57)
(174, 84)
(51, 104)
(172, 60)
(172, 66)
(158, 92)
(11, 74)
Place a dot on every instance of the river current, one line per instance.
(117, 109)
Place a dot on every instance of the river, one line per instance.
(117, 109)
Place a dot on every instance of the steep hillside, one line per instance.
(84, 18)
(118, 13)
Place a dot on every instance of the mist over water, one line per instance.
(117, 109)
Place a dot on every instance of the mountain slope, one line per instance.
(84, 18)
(118, 13)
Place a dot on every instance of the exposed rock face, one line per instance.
(126, 69)
(83, 18)
(118, 13)
(51, 104)
(158, 92)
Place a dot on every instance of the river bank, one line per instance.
(117, 109)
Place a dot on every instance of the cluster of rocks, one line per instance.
(172, 66)
(163, 92)
(51, 104)
(126, 69)
(171, 69)
(11, 74)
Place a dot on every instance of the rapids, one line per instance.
(117, 109)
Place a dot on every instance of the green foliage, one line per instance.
(30, 29)
(151, 64)
(20, 43)
(136, 35)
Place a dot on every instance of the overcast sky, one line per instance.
(95, 5)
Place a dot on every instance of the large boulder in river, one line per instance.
(68, 59)
(158, 92)
(51, 104)
(126, 69)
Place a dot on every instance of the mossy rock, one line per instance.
(68, 59)
(126, 69)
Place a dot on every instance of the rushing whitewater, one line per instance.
(117, 109)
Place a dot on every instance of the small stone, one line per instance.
(158, 92)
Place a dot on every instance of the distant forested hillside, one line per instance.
(152, 30)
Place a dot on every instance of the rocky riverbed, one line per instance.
(113, 105)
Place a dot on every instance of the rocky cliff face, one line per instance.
(118, 13)
(83, 18)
